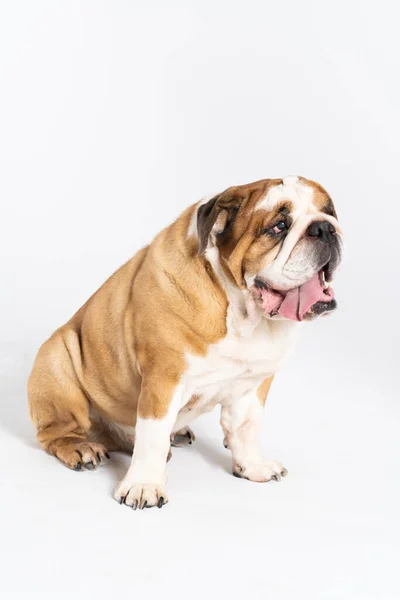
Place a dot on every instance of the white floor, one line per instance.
(330, 530)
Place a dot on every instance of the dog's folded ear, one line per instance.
(217, 216)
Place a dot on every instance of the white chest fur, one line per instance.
(238, 363)
(253, 356)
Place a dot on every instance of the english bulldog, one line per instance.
(204, 315)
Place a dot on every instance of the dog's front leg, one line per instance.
(144, 484)
(241, 420)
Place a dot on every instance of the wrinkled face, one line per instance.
(278, 238)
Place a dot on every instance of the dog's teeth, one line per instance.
(325, 283)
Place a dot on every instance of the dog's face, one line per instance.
(280, 239)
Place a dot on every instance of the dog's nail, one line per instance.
(135, 504)
(89, 465)
(98, 457)
(107, 455)
(78, 467)
(160, 502)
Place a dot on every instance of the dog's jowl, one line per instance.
(204, 315)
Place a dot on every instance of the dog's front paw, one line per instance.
(141, 495)
(261, 471)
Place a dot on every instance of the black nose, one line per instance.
(322, 230)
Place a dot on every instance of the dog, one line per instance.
(204, 315)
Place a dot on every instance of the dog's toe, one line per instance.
(141, 495)
(262, 471)
(78, 455)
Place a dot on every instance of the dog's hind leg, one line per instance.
(60, 409)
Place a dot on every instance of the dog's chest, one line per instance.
(240, 360)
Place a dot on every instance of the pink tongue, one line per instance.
(297, 302)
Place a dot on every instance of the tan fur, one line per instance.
(263, 390)
(321, 200)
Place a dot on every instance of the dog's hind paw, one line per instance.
(183, 436)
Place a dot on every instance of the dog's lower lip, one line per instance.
(321, 307)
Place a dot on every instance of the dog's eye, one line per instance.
(279, 227)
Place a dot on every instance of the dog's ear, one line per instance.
(217, 216)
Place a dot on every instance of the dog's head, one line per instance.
(280, 239)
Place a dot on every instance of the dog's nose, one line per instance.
(324, 230)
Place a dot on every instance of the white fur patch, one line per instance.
(290, 180)
(300, 194)
(240, 362)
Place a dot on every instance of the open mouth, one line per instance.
(314, 297)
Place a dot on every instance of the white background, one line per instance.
(114, 116)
